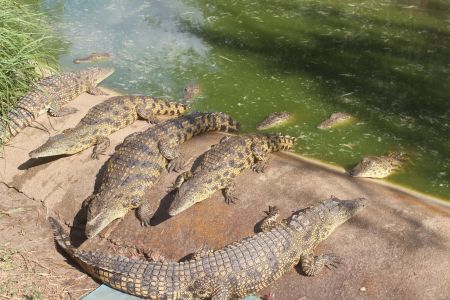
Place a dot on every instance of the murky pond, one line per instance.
(385, 62)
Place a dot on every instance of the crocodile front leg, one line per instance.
(58, 111)
(180, 179)
(228, 193)
(169, 149)
(271, 220)
(96, 91)
(313, 265)
(146, 114)
(101, 144)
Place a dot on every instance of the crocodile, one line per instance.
(334, 120)
(103, 119)
(379, 166)
(49, 95)
(191, 91)
(138, 163)
(274, 119)
(93, 57)
(221, 164)
(233, 272)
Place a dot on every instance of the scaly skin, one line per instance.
(49, 95)
(102, 120)
(93, 57)
(334, 120)
(378, 166)
(235, 271)
(139, 161)
(221, 164)
(274, 119)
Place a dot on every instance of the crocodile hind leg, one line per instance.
(208, 287)
(101, 144)
(145, 213)
(146, 114)
(59, 111)
(260, 157)
(228, 193)
(313, 265)
(270, 221)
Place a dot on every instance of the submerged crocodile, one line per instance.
(49, 95)
(378, 166)
(334, 120)
(138, 163)
(232, 272)
(274, 119)
(221, 164)
(102, 120)
(191, 91)
(93, 57)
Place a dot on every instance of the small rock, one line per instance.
(363, 289)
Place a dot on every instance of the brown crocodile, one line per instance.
(102, 120)
(334, 120)
(93, 57)
(138, 163)
(274, 119)
(49, 95)
(221, 164)
(379, 166)
(233, 272)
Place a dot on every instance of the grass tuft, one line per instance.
(28, 50)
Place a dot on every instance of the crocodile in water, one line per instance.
(379, 166)
(274, 119)
(232, 272)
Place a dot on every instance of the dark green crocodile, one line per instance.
(138, 163)
(50, 95)
(232, 272)
(102, 120)
(221, 164)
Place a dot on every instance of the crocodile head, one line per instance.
(97, 74)
(378, 166)
(325, 216)
(190, 193)
(70, 141)
(103, 209)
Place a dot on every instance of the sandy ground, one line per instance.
(398, 248)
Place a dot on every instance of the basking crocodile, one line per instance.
(378, 166)
(139, 161)
(274, 119)
(93, 57)
(334, 120)
(49, 95)
(102, 120)
(221, 164)
(232, 272)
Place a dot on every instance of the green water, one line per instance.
(385, 62)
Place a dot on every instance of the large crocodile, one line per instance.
(49, 95)
(379, 166)
(102, 120)
(221, 164)
(232, 272)
(139, 161)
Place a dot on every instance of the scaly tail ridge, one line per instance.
(282, 142)
(61, 237)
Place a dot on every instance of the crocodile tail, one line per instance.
(164, 107)
(61, 237)
(282, 142)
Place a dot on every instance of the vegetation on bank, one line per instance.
(28, 49)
